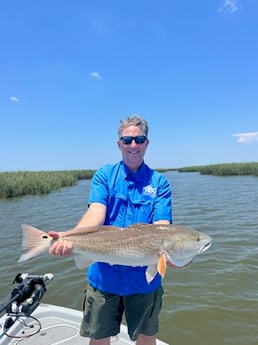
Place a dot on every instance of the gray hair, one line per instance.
(133, 120)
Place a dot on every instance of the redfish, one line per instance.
(151, 245)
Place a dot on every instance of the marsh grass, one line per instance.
(227, 169)
(19, 183)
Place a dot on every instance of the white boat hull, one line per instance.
(52, 325)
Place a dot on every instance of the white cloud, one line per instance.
(14, 99)
(246, 137)
(95, 75)
(229, 6)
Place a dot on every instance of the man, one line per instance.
(122, 194)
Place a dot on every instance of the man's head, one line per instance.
(133, 140)
(133, 120)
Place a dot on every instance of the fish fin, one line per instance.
(35, 242)
(162, 265)
(81, 261)
(150, 273)
(181, 263)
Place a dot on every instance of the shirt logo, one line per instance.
(150, 191)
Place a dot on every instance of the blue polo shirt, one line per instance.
(142, 197)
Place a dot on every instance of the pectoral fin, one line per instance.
(162, 265)
(150, 273)
(153, 270)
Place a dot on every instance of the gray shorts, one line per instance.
(103, 312)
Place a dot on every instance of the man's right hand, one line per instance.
(60, 248)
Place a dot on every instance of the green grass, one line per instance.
(13, 184)
(227, 169)
(19, 183)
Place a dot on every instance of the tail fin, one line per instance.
(35, 242)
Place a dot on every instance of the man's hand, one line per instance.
(60, 248)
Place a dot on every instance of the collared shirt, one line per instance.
(142, 197)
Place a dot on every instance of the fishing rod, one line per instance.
(25, 297)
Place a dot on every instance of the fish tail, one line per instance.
(35, 242)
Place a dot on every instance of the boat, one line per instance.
(28, 321)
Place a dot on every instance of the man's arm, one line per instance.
(95, 215)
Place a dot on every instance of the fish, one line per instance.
(151, 245)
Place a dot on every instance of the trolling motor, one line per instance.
(25, 298)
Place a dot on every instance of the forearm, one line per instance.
(95, 215)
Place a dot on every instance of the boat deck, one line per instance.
(53, 325)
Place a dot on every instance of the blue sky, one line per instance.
(71, 70)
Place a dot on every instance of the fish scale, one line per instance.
(127, 241)
(150, 245)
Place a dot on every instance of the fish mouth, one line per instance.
(204, 247)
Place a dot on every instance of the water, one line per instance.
(213, 301)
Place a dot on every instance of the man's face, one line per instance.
(132, 153)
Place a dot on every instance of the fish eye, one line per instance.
(45, 236)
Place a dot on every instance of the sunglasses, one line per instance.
(139, 139)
